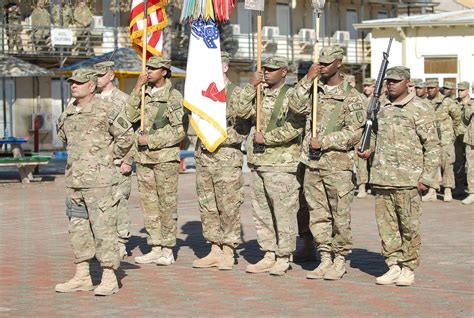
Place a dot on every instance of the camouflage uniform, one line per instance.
(274, 185)
(95, 136)
(219, 179)
(13, 17)
(158, 162)
(41, 22)
(406, 153)
(82, 20)
(468, 113)
(68, 18)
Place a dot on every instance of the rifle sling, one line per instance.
(331, 126)
(160, 120)
(272, 124)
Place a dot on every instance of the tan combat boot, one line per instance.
(430, 196)
(406, 278)
(211, 260)
(122, 250)
(281, 266)
(166, 258)
(227, 260)
(150, 258)
(389, 277)
(264, 265)
(80, 282)
(307, 252)
(337, 270)
(109, 285)
(323, 267)
(362, 193)
(469, 199)
(447, 195)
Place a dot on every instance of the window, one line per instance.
(441, 65)
(283, 18)
(351, 19)
(382, 15)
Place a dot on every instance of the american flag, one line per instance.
(157, 21)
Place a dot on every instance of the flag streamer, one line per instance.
(215, 10)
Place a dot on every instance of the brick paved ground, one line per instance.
(35, 254)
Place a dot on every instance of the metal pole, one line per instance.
(116, 22)
(4, 102)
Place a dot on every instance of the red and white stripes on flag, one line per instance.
(157, 21)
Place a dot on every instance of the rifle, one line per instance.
(374, 103)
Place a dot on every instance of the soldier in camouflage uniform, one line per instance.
(405, 164)
(219, 184)
(449, 90)
(157, 157)
(83, 20)
(95, 137)
(68, 18)
(41, 22)
(118, 99)
(274, 184)
(13, 18)
(449, 125)
(328, 179)
(468, 113)
(420, 88)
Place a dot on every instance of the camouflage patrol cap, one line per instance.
(276, 62)
(330, 53)
(433, 82)
(418, 83)
(463, 85)
(103, 67)
(449, 85)
(369, 82)
(225, 57)
(398, 73)
(83, 76)
(159, 62)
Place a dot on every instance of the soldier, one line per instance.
(41, 22)
(68, 18)
(219, 184)
(273, 161)
(82, 21)
(118, 100)
(328, 178)
(157, 157)
(361, 166)
(420, 88)
(468, 113)
(449, 125)
(404, 165)
(449, 90)
(95, 136)
(13, 19)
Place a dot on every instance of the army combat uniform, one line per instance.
(406, 154)
(82, 20)
(68, 18)
(468, 113)
(41, 23)
(13, 17)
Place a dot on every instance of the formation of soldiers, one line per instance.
(291, 190)
(79, 16)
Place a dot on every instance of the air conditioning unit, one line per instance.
(342, 36)
(307, 35)
(45, 121)
(235, 28)
(269, 32)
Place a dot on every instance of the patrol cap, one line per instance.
(330, 53)
(449, 85)
(433, 82)
(275, 62)
(418, 83)
(103, 67)
(398, 73)
(463, 85)
(83, 76)
(159, 62)
(225, 57)
(368, 81)
(303, 67)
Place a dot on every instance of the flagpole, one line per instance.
(317, 14)
(144, 50)
(259, 67)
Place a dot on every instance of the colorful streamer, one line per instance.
(215, 10)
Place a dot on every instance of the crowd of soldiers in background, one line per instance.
(77, 17)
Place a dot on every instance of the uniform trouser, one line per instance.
(303, 212)
(470, 167)
(14, 38)
(398, 215)
(41, 40)
(123, 217)
(329, 195)
(460, 163)
(97, 235)
(157, 188)
(220, 195)
(447, 165)
(275, 204)
(362, 173)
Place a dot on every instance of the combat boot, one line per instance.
(447, 195)
(406, 278)
(109, 285)
(307, 252)
(324, 266)
(281, 265)
(264, 265)
(227, 259)
(430, 196)
(122, 250)
(362, 193)
(337, 270)
(166, 258)
(211, 260)
(150, 258)
(469, 199)
(389, 277)
(80, 282)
